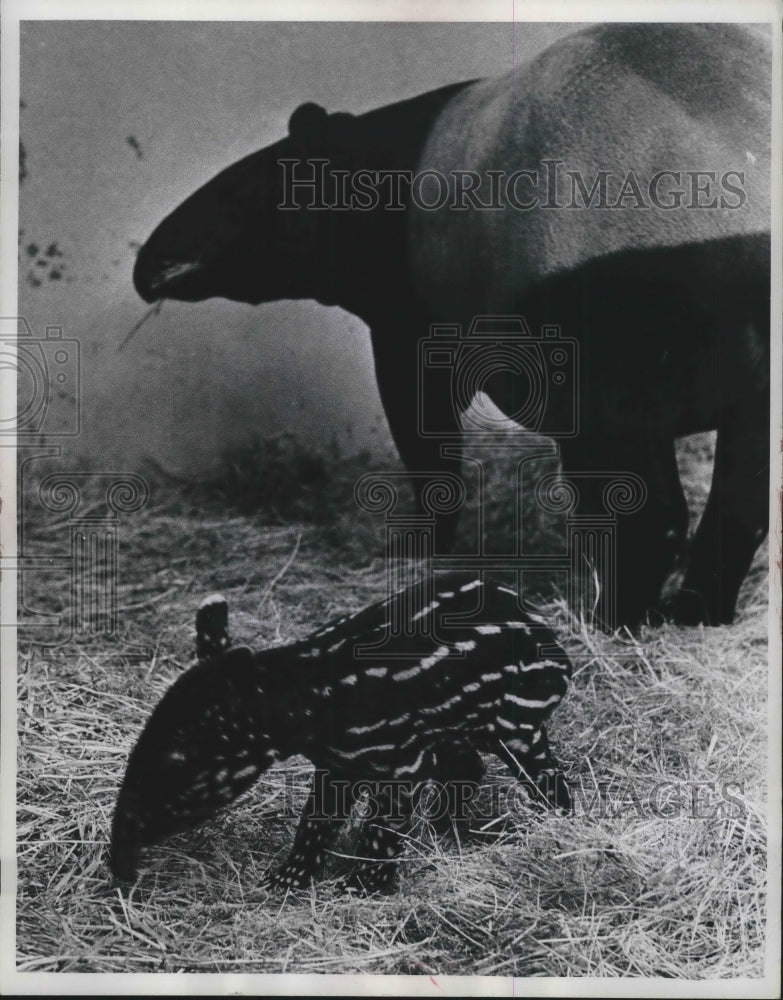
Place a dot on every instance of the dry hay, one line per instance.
(619, 889)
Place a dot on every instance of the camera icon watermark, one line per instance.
(532, 379)
(48, 381)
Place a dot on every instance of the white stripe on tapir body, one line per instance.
(245, 772)
(363, 751)
(425, 611)
(531, 702)
(439, 654)
(439, 700)
(361, 730)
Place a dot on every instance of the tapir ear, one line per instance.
(307, 122)
(212, 637)
(311, 127)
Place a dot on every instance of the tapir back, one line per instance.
(631, 137)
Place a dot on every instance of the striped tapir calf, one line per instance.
(482, 675)
(617, 187)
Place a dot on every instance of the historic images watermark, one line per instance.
(314, 184)
(69, 521)
(467, 802)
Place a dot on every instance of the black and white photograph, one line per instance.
(391, 477)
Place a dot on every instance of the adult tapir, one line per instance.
(617, 188)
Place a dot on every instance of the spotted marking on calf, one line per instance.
(476, 683)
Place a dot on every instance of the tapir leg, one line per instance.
(460, 771)
(383, 834)
(734, 523)
(400, 383)
(326, 810)
(648, 540)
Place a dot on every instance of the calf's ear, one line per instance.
(212, 636)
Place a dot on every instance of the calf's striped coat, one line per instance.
(457, 668)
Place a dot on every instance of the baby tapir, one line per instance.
(457, 668)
